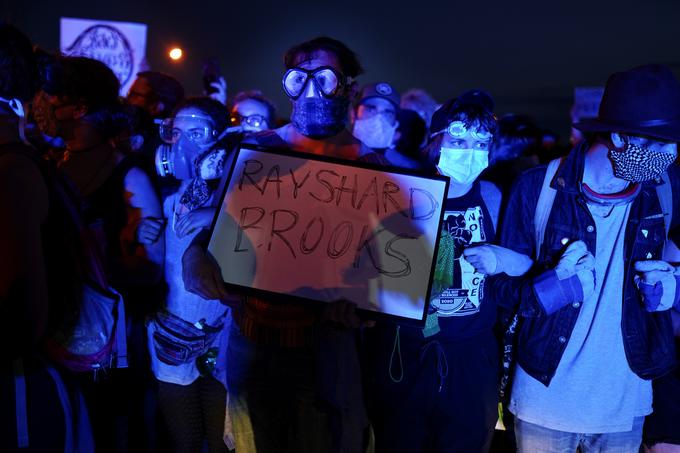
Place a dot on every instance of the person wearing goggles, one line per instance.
(195, 127)
(319, 82)
(327, 81)
(422, 394)
(252, 111)
(194, 155)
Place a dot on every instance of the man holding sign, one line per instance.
(275, 375)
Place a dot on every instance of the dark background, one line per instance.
(529, 54)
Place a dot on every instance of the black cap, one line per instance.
(444, 114)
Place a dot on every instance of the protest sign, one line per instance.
(310, 227)
(119, 45)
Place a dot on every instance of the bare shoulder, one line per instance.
(136, 177)
(141, 192)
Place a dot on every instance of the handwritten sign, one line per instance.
(314, 228)
(119, 45)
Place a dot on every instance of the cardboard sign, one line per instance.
(119, 45)
(304, 226)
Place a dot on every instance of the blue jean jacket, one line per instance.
(543, 337)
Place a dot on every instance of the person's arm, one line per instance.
(23, 284)
(517, 234)
(200, 271)
(141, 262)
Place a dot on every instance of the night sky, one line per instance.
(528, 54)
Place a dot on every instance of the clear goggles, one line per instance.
(457, 129)
(196, 128)
(327, 81)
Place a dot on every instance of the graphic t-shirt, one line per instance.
(462, 309)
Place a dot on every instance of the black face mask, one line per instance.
(43, 114)
(319, 117)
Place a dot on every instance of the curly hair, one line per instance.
(165, 88)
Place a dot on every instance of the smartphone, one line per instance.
(211, 74)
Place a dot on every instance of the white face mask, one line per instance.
(374, 132)
(463, 166)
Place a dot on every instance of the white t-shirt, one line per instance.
(593, 390)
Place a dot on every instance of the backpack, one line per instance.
(87, 336)
(543, 208)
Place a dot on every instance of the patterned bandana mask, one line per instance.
(208, 165)
(319, 117)
(637, 164)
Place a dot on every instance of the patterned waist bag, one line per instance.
(177, 341)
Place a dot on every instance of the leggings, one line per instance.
(193, 413)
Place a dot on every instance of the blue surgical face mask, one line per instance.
(463, 166)
(317, 117)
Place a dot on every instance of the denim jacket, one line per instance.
(543, 337)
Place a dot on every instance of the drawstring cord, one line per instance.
(442, 363)
(396, 348)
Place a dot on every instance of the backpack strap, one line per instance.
(544, 205)
(665, 194)
(20, 402)
(492, 198)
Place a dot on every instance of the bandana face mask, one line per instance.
(639, 164)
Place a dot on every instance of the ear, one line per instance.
(617, 139)
(397, 136)
(136, 142)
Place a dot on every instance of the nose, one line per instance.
(310, 90)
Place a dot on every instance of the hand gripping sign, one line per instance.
(302, 226)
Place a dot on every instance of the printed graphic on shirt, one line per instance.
(463, 298)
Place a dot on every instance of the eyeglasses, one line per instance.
(369, 111)
(237, 119)
(327, 80)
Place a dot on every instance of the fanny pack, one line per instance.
(178, 341)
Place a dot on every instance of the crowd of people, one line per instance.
(552, 323)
